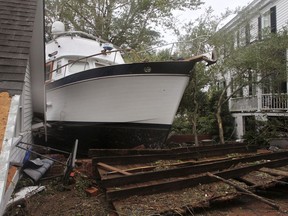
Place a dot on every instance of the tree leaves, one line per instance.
(123, 22)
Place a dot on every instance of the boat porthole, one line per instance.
(147, 69)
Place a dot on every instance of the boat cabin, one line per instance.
(72, 52)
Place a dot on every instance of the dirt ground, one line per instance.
(5, 101)
(73, 200)
(61, 200)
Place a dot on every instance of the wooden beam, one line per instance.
(111, 168)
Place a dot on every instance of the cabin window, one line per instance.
(48, 70)
(58, 69)
(97, 65)
(77, 66)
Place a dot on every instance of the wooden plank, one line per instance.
(274, 172)
(182, 183)
(149, 168)
(119, 152)
(183, 171)
(111, 168)
(135, 169)
(147, 158)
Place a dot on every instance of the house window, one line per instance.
(267, 23)
(237, 45)
(242, 36)
(251, 83)
(266, 20)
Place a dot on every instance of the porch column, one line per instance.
(259, 95)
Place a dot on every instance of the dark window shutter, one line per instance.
(273, 19)
(259, 27)
(238, 39)
(247, 34)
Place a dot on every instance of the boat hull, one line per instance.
(90, 135)
(128, 105)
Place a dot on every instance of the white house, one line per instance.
(250, 26)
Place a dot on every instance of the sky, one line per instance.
(218, 6)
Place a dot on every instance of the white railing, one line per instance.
(274, 102)
(50, 73)
(267, 102)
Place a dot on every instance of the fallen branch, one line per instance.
(275, 206)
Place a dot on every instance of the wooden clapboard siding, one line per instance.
(282, 15)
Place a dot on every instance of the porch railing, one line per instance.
(274, 102)
(266, 102)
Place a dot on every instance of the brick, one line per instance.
(92, 191)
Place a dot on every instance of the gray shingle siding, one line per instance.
(16, 28)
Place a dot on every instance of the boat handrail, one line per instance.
(86, 57)
(82, 33)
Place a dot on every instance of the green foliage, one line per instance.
(181, 124)
(197, 105)
(150, 55)
(260, 132)
(206, 121)
(122, 22)
(207, 124)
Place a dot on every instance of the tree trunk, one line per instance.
(194, 123)
(220, 125)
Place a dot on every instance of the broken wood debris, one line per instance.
(270, 203)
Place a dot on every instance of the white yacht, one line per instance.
(95, 97)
